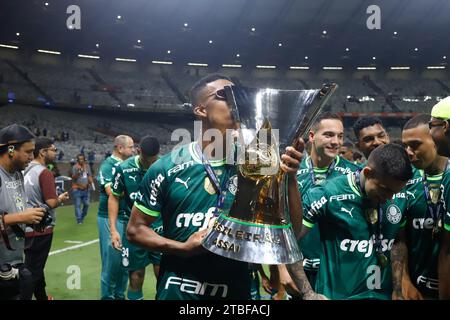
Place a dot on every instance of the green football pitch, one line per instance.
(75, 251)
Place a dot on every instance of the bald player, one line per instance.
(113, 276)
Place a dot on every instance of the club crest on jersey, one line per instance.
(232, 187)
(393, 214)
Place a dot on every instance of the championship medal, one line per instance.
(372, 215)
(434, 195)
(382, 260)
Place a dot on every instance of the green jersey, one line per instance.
(423, 248)
(105, 175)
(178, 189)
(349, 266)
(310, 244)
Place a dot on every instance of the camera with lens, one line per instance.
(8, 272)
(46, 219)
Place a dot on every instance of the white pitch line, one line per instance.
(73, 247)
(72, 241)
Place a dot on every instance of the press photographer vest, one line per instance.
(12, 200)
(33, 188)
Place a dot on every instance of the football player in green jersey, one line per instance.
(346, 151)
(425, 210)
(370, 133)
(113, 277)
(125, 184)
(324, 163)
(361, 230)
(440, 131)
(178, 188)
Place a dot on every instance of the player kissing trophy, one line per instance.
(256, 227)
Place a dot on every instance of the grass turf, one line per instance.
(87, 258)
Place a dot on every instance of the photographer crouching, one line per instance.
(40, 189)
(16, 152)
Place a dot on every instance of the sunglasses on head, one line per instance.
(219, 94)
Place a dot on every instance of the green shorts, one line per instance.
(135, 258)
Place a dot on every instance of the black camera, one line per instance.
(46, 220)
(8, 272)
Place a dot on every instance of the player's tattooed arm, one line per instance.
(399, 253)
(301, 281)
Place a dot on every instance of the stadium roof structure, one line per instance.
(239, 32)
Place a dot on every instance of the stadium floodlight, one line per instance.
(265, 67)
(306, 57)
(162, 62)
(49, 52)
(18, 34)
(232, 65)
(238, 55)
(253, 29)
(8, 46)
(400, 68)
(366, 68)
(280, 44)
(125, 60)
(88, 56)
(195, 64)
(324, 32)
(332, 68)
(299, 68)
(436, 67)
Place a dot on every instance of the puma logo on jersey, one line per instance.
(132, 178)
(183, 182)
(348, 211)
(409, 193)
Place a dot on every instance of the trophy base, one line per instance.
(252, 242)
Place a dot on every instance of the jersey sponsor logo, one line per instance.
(197, 287)
(316, 205)
(423, 223)
(414, 181)
(342, 197)
(232, 187)
(429, 283)
(348, 211)
(154, 185)
(400, 195)
(197, 219)
(184, 183)
(365, 246)
(343, 170)
(374, 279)
(311, 264)
(179, 167)
(129, 170)
(393, 214)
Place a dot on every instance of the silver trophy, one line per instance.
(256, 228)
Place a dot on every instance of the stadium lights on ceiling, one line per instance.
(416, 49)
(49, 52)
(18, 34)
(88, 56)
(265, 67)
(195, 64)
(139, 41)
(324, 32)
(347, 49)
(232, 65)
(97, 45)
(125, 60)
(280, 44)
(168, 51)
(46, 4)
(395, 33)
(436, 67)
(298, 68)
(8, 46)
(400, 68)
(238, 55)
(162, 62)
(253, 29)
(332, 68)
(444, 57)
(366, 68)
(186, 24)
(119, 17)
(374, 58)
(306, 57)
(210, 41)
